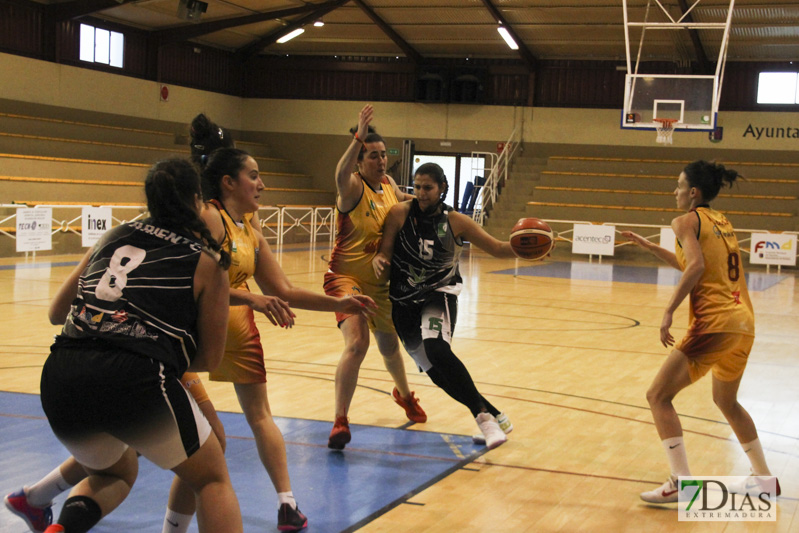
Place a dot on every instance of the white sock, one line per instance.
(754, 451)
(287, 497)
(678, 458)
(176, 522)
(41, 493)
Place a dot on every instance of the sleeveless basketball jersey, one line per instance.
(137, 292)
(720, 300)
(241, 242)
(360, 231)
(426, 255)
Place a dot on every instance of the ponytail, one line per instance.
(709, 177)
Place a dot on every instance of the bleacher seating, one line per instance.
(641, 191)
(49, 156)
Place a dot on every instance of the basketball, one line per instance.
(531, 238)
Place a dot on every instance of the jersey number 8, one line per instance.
(125, 259)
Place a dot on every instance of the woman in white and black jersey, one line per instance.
(144, 305)
(424, 238)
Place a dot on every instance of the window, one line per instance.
(101, 46)
(777, 88)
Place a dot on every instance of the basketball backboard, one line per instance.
(693, 100)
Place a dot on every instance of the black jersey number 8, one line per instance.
(125, 259)
(734, 266)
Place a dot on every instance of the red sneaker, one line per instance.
(413, 410)
(36, 518)
(340, 435)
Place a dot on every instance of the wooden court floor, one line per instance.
(568, 356)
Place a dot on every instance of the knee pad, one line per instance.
(419, 355)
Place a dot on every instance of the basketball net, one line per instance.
(665, 128)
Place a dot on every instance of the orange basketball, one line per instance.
(531, 238)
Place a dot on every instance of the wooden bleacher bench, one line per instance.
(289, 189)
(648, 176)
(177, 148)
(66, 181)
(675, 161)
(73, 160)
(89, 124)
(660, 193)
(655, 209)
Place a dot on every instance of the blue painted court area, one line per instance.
(338, 491)
(756, 281)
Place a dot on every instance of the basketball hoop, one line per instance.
(665, 127)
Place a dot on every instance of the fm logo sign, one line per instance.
(771, 245)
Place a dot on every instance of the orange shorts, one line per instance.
(725, 353)
(339, 285)
(191, 382)
(243, 361)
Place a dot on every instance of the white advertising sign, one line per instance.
(34, 229)
(667, 239)
(94, 222)
(773, 249)
(594, 240)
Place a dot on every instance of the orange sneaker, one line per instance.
(340, 435)
(413, 410)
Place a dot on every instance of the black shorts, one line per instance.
(433, 318)
(100, 399)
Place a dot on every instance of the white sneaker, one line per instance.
(504, 424)
(756, 485)
(666, 493)
(493, 434)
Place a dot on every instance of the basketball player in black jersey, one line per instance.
(148, 302)
(422, 241)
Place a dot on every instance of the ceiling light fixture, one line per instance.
(319, 23)
(503, 31)
(289, 36)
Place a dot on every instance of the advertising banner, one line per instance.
(94, 222)
(773, 249)
(594, 240)
(34, 229)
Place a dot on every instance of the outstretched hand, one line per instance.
(635, 238)
(364, 118)
(379, 263)
(276, 310)
(358, 304)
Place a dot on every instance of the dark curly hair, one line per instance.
(437, 173)
(222, 162)
(172, 187)
(709, 177)
(207, 136)
(371, 137)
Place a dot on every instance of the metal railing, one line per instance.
(497, 175)
(276, 221)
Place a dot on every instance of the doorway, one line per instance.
(458, 168)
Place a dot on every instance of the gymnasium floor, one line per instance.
(566, 348)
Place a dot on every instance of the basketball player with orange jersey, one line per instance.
(364, 198)
(722, 323)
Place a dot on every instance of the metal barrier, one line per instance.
(276, 221)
